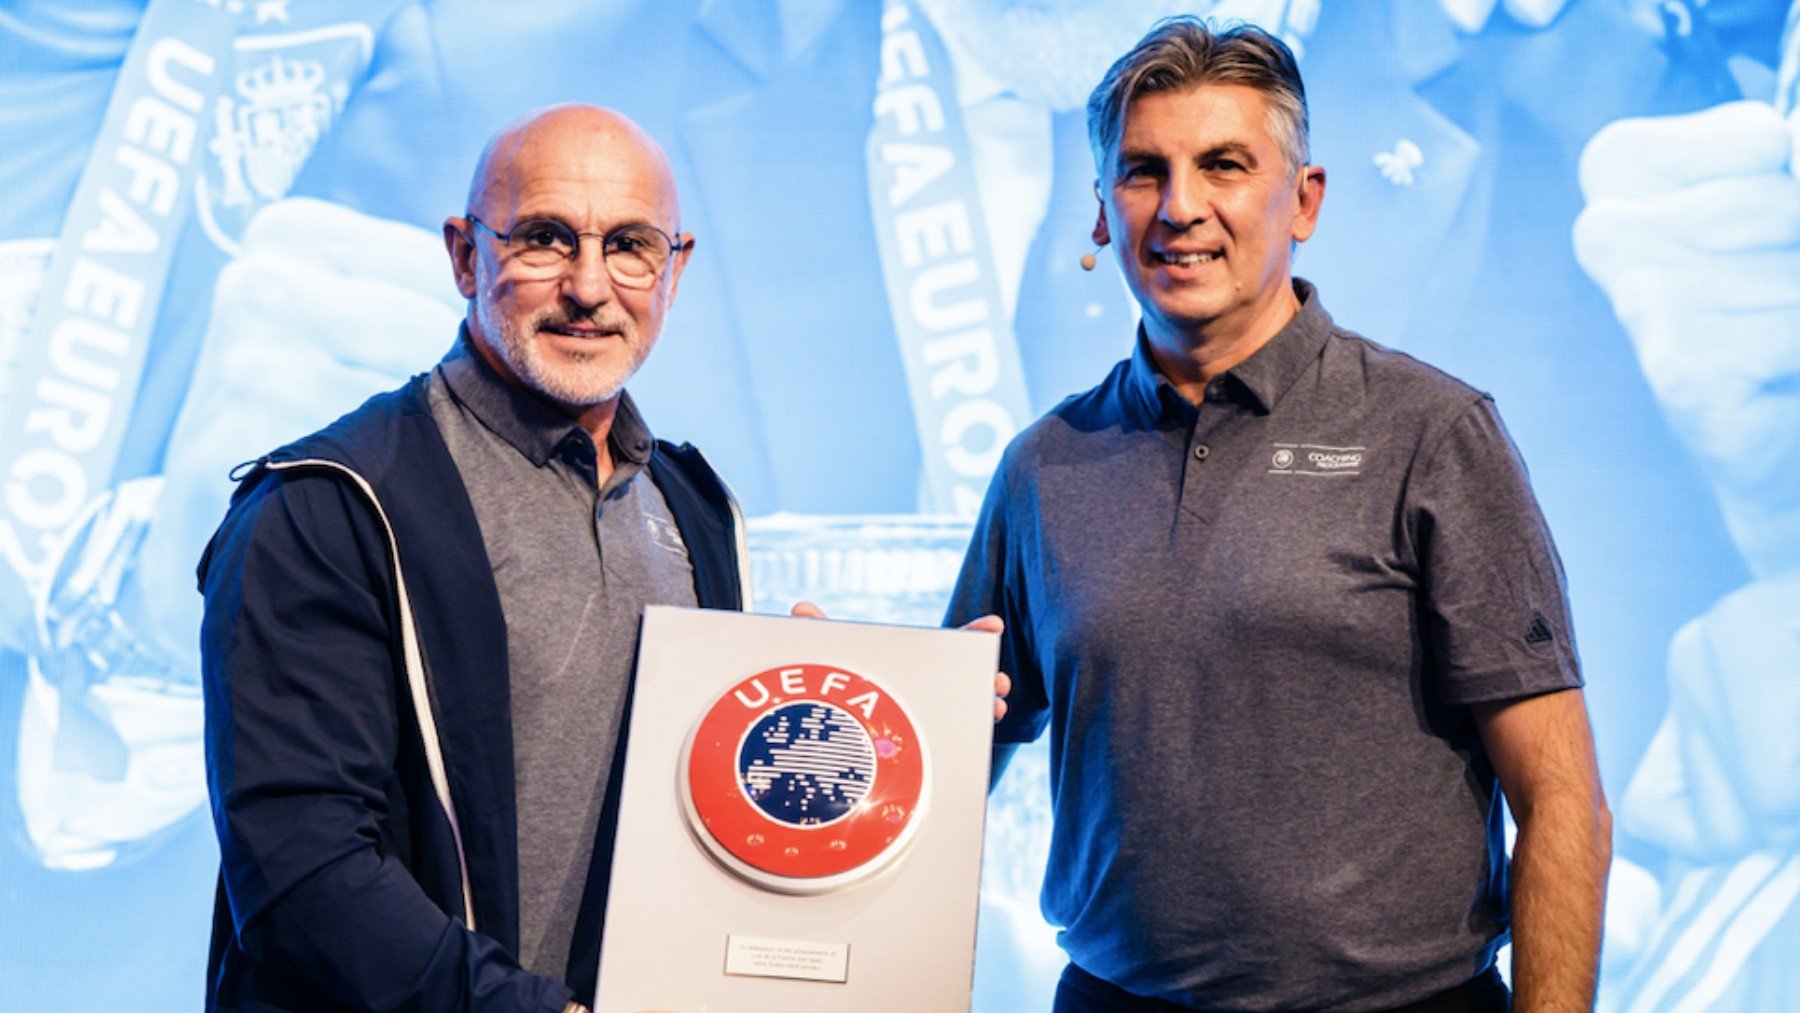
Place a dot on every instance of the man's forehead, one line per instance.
(585, 200)
(1205, 116)
(606, 171)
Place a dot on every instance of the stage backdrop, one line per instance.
(220, 229)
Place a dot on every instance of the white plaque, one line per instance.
(797, 789)
(750, 957)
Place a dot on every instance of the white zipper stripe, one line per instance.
(742, 537)
(415, 676)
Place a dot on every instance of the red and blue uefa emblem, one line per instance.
(804, 779)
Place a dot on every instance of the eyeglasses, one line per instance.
(635, 255)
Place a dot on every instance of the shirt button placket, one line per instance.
(1192, 478)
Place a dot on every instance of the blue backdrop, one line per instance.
(220, 230)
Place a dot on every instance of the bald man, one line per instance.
(420, 621)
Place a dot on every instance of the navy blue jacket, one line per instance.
(346, 882)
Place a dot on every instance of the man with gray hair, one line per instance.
(1287, 606)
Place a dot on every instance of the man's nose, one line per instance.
(1186, 199)
(586, 281)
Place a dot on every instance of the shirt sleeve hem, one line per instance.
(1501, 690)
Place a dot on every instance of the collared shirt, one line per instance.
(1252, 627)
(575, 562)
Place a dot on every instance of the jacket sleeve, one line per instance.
(303, 738)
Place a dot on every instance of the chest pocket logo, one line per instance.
(1316, 460)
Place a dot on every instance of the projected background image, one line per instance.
(1589, 208)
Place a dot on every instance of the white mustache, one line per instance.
(605, 321)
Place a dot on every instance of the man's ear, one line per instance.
(1102, 235)
(683, 250)
(462, 254)
(1311, 195)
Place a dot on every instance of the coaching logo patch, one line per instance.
(804, 779)
(1316, 459)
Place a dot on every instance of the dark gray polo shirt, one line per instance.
(575, 563)
(1251, 628)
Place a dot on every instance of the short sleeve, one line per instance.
(990, 583)
(1494, 598)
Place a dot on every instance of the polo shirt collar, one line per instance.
(1264, 377)
(532, 426)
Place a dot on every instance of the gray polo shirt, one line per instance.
(575, 563)
(1252, 628)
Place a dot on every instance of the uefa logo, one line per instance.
(804, 779)
(1284, 458)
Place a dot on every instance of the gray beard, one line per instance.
(572, 386)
